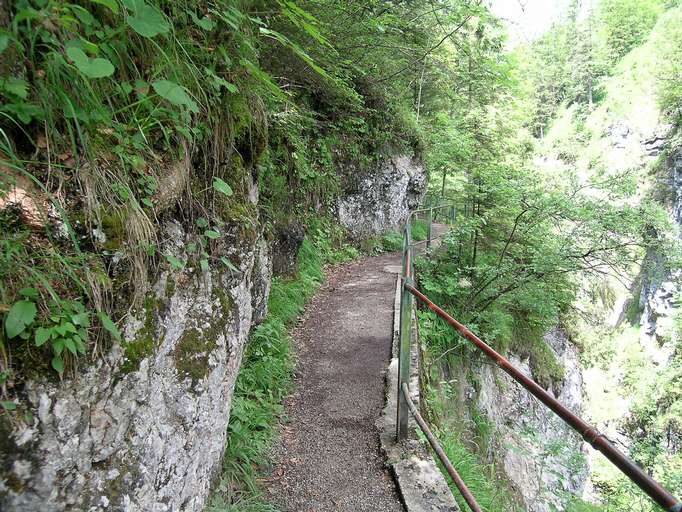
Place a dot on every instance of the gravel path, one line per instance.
(328, 457)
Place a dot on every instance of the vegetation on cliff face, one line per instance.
(119, 115)
(552, 217)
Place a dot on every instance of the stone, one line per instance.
(383, 199)
(146, 432)
(539, 453)
(422, 486)
(288, 240)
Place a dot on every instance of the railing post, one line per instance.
(429, 221)
(404, 349)
(452, 214)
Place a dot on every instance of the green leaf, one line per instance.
(206, 23)
(42, 335)
(209, 233)
(92, 68)
(176, 94)
(20, 316)
(147, 21)
(58, 364)
(202, 223)
(58, 346)
(25, 111)
(81, 319)
(8, 406)
(70, 345)
(80, 346)
(122, 191)
(222, 187)
(15, 86)
(229, 264)
(109, 325)
(110, 4)
(147, 202)
(175, 263)
(30, 293)
(265, 78)
(84, 15)
(69, 327)
(204, 265)
(4, 42)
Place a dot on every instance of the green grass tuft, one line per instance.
(480, 478)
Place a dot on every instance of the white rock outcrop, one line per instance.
(383, 199)
(541, 456)
(147, 433)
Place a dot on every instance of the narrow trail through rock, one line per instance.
(328, 457)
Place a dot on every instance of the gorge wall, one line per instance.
(144, 427)
(660, 287)
(534, 452)
(370, 206)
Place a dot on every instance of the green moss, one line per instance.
(113, 225)
(192, 351)
(194, 348)
(170, 288)
(144, 343)
(226, 301)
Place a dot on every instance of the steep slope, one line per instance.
(629, 340)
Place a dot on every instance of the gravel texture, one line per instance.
(328, 456)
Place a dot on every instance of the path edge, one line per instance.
(420, 483)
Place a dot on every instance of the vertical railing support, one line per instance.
(429, 221)
(453, 213)
(404, 349)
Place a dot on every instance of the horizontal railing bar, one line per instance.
(414, 244)
(463, 489)
(598, 441)
(431, 208)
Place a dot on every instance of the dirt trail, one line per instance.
(328, 456)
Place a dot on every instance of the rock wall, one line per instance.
(144, 428)
(540, 455)
(660, 281)
(383, 199)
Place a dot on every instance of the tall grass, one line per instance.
(419, 229)
(481, 479)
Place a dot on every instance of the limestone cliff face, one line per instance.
(383, 199)
(144, 428)
(539, 454)
(660, 279)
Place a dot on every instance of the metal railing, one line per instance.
(590, 434)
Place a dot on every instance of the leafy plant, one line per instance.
(20, 316)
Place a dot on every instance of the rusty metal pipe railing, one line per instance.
(598, 441)
(461, 486)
